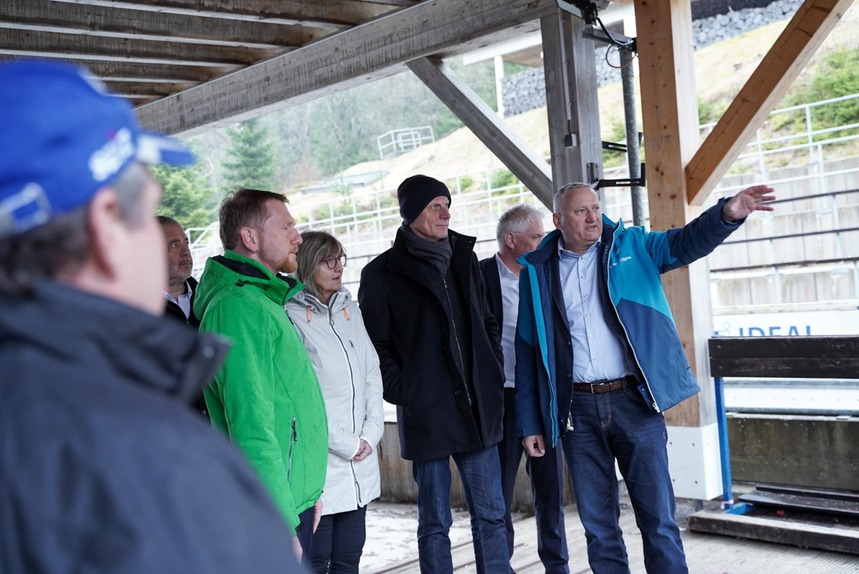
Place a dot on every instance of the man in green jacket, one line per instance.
(266, 396)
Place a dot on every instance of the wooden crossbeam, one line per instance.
(376, 49)
(767, 85)
(482, 120)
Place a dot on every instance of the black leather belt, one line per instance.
(600, 387)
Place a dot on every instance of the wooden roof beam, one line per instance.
(376, 49)
(53, 45)
(44, 15)
(134, 71)
(333, 14)
(482, 120)
(137, 99)
(764, 89)
(138, 88)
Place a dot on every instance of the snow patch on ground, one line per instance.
(392, 534)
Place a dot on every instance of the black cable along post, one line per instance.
(589, 12)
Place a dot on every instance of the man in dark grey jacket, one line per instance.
(181, 286)
(103, 468)
(427, 314)
(520, 230)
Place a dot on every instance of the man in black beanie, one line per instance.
(426, 311)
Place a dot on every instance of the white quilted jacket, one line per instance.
(348, 370)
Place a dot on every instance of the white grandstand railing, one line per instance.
(366, 222)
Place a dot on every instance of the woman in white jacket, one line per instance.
(347, 366)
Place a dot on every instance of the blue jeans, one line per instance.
(619, 426)
(547, 488)
(480, 473)
(339, 542)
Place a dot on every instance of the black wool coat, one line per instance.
(403, 299)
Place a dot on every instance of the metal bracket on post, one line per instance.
(612, 38)
(623, 182)
(593, 173)
(571, 140)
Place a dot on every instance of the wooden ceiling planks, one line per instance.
(147, 50)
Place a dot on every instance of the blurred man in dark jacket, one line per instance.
(103, 469)
(181, 286)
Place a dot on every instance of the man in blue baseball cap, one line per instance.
(103, 467)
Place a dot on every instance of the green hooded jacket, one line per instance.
(266, 396)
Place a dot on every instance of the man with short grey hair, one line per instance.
(520, 231)
(598, 361)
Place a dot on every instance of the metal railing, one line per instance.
(396, 142)
(771, 150)
(366, 221)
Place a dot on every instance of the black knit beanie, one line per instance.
(415, 193)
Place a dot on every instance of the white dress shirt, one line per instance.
(510, 309)
(598, 354)
(184, 300)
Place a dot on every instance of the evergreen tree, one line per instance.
(339, 137)
(250, 157)
(185, 195)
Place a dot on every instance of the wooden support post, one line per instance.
(571, 101)
(670, 118)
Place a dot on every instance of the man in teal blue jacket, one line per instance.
(598, 360)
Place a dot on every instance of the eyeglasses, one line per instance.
(331, 262)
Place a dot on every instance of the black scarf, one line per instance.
(438, 253)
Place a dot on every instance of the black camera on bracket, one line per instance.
(587, 10)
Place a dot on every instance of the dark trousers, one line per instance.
(339, 542)
(305, 535)
(547, 488)
(619, 426)
(481, 486)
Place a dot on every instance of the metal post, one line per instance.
(633, 155)
(724, 449)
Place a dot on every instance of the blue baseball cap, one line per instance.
(63, 137)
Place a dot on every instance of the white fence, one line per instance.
(805, 253)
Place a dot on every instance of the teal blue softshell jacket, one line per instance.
(631, 262)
